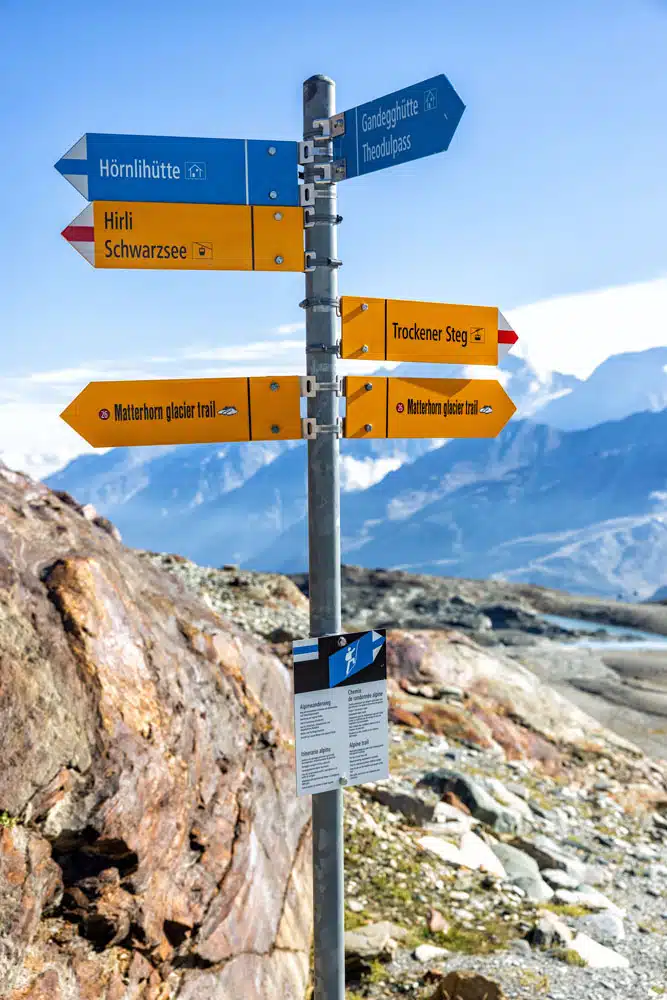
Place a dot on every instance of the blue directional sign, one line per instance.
(171, 169)
(403, 126)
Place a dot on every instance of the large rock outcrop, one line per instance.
(151, 841)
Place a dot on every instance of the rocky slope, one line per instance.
(152, 847)
(519, 849)
(151, 843)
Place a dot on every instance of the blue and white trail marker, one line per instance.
(340, 706)
(411, 123)
(172, 169)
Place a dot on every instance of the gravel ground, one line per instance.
(625, 851)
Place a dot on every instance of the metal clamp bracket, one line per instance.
(306, 194)
(310, 386)
(311, 218)
(313, 261)
(324, 348)
(320, 303)
(330, 128)
(327, 175)
(310, 429)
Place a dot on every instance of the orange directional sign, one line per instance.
(395, 330)
(185, 237)
(425, 407)
(187, 411)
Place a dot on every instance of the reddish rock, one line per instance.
(452, 799)
(402, 716)
(505, 704)
(45, 987)
(147, 741)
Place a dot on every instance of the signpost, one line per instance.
(395, 330)
(168, 168)
(150, 235)
(340, 711)
(425, 407)
(235, 204)
(406, 125)
(187, 411)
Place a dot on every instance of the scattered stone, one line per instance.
(536, 889)
(549, 855)
(559, 879)
(418, 807)
(550, 931)
(588, 897)
(478, 856)
(468, 986)
(597, 956)
(436, 922)
(442, 849)
(429, 953)
(481, 804)
(606, 927)
(355, 906)
(507, 798)
(377, 941)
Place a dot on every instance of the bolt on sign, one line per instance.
(187, 411)
(425, 407)
(187, 237)
(395, 330)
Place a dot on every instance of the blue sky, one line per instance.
(553, 185)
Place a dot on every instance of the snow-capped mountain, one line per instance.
(583, 509)
(621, 385)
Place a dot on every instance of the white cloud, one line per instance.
(241, 352)
(287, 328)
(575, 333)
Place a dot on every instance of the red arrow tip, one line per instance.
(79, 234)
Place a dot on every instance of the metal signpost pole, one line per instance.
(324, 530)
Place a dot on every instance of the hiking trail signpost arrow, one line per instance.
(174, 169)
(396, 330)
(153, 235)
(187, 411)
(240, 204)
(406, 125)
(380, 407)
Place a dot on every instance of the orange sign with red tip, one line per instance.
(433, 332)
(185, 237)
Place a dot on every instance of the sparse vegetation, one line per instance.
(569, 956)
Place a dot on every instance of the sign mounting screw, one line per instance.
(277, 216)
(368, 427)
(273, 194)
(364, 349)
(274, 386)
(364, 306)
(368, 386)
(279, 259)
(275, 428)
(271, 150)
